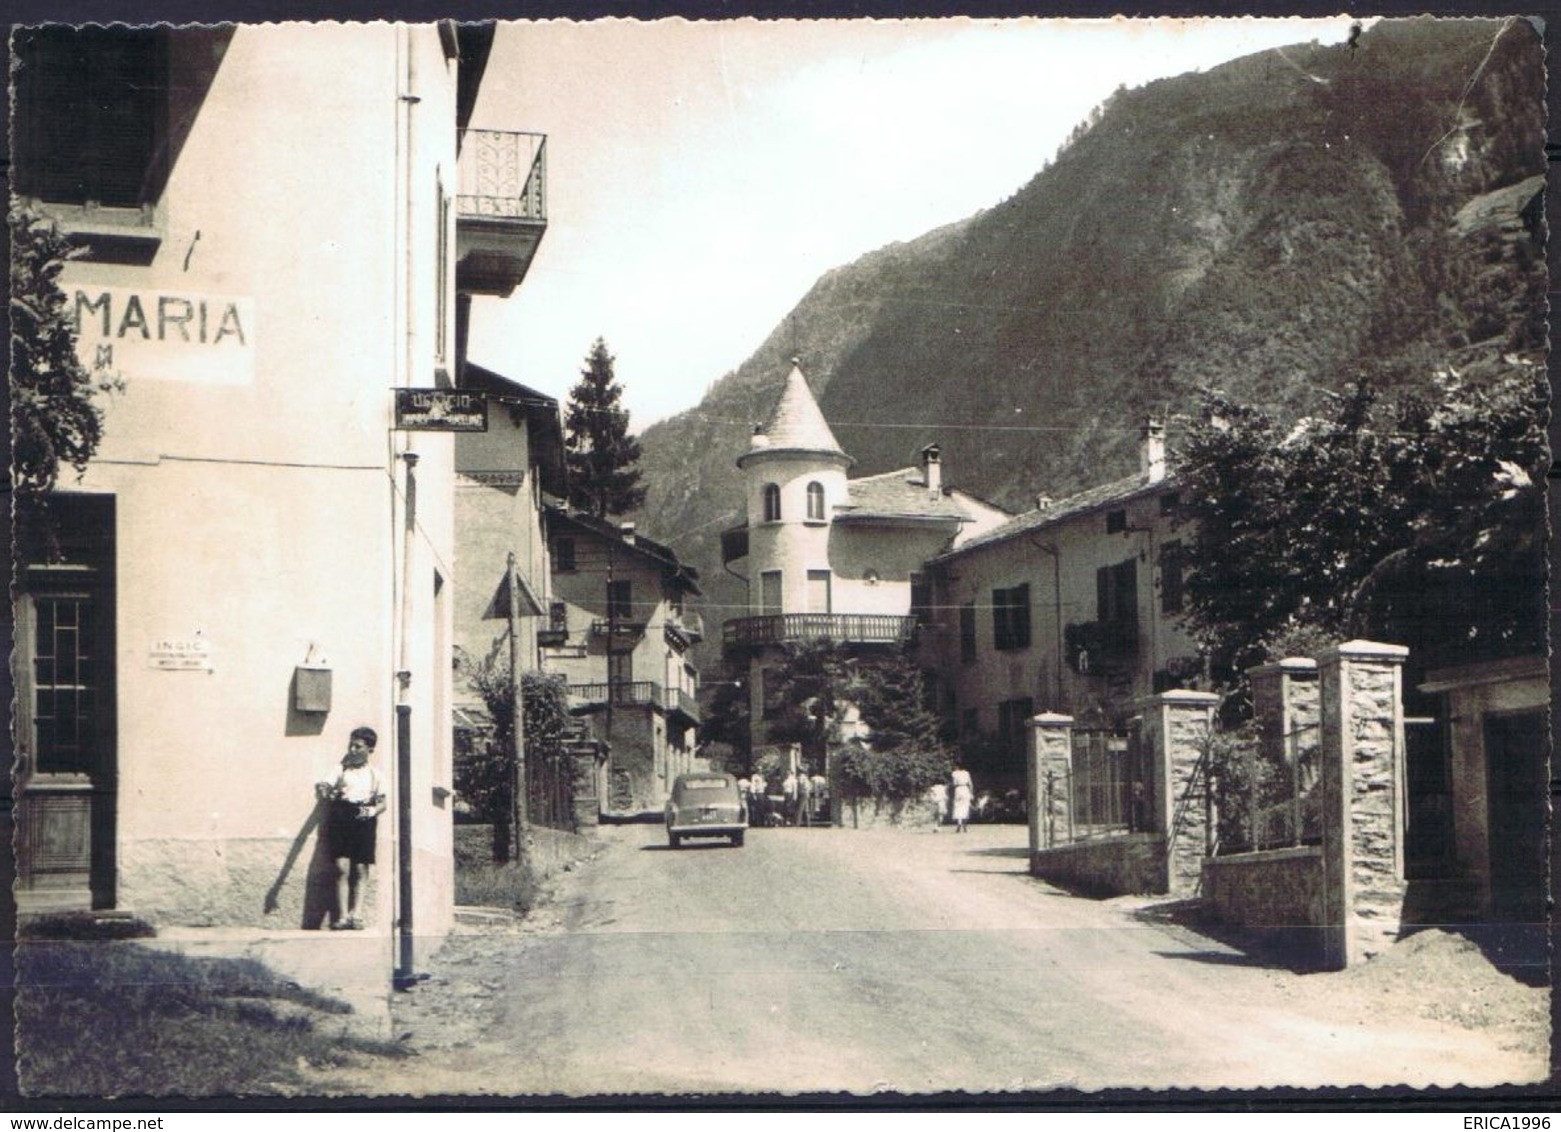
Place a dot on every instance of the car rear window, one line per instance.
(706, 783)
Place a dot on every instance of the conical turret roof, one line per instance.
(797, 424)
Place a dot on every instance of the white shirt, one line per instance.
(358, 784)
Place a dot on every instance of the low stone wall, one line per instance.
(870, 813)
(1117, 866)
(1277, 891)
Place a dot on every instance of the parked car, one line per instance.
(705, 805)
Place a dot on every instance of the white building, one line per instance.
(829, 557)
(258, 560)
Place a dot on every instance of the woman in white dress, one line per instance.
(964, 791)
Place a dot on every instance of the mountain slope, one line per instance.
(1273, 227)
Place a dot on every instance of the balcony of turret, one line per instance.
(501, 209)
(744, 633)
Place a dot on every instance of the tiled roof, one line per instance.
(797, 424)
(1090, 499)
(899, 494)
(684, 574)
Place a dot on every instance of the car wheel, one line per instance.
(674, 840)
(737, 841)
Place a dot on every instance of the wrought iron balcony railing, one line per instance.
(1099, 647)
(502, 174)
(842, 628)
(684, 629)
(621, 692)
(680, 701)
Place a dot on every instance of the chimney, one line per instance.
(1151, 450)
(932, 468)
(627, 530)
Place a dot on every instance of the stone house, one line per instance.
(1072, 607)
(829, 557)
(619, 631)
(280, 222)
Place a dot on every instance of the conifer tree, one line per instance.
(604, 478)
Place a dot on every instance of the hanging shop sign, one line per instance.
(441, 410)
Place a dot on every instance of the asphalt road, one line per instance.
(828, 960)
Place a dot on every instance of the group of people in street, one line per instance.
(951, 800)
(803, 799)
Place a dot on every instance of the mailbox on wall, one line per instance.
(312, 688)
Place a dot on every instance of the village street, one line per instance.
(828, 959)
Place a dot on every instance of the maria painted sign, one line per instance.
(441, 410)
(175, 336)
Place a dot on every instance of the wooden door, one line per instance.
(65, 718)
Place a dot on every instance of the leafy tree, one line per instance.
(1418, 520)
(901, 754)
(55, 416)
(485, 774)
(726, 720)
(603, 476)
(816, 683)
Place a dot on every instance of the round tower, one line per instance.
(794, 475)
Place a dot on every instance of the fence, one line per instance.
(1266, 797)
(1107, 785)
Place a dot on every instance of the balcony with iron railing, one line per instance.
(555, 630)
(500, 208)
(684, 704)
(619, 693)
(1101, 647)
(842, 628)
(684, 629)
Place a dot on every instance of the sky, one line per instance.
(702, 175)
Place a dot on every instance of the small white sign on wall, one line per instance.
(192, 655)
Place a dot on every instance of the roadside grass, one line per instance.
(109, 1017)
(484, 884)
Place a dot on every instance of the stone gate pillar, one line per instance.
(1050, 755)
(1177, 727)
(1363, 798)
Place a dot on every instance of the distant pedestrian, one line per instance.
(804, 800)
(759, 812)
(964, 791)
(356, 798)
(789, 795)
(938, 800)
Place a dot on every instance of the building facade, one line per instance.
(1073, 607)
(829, 557)
(504, 479)
(258, 559)
(620, 634)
